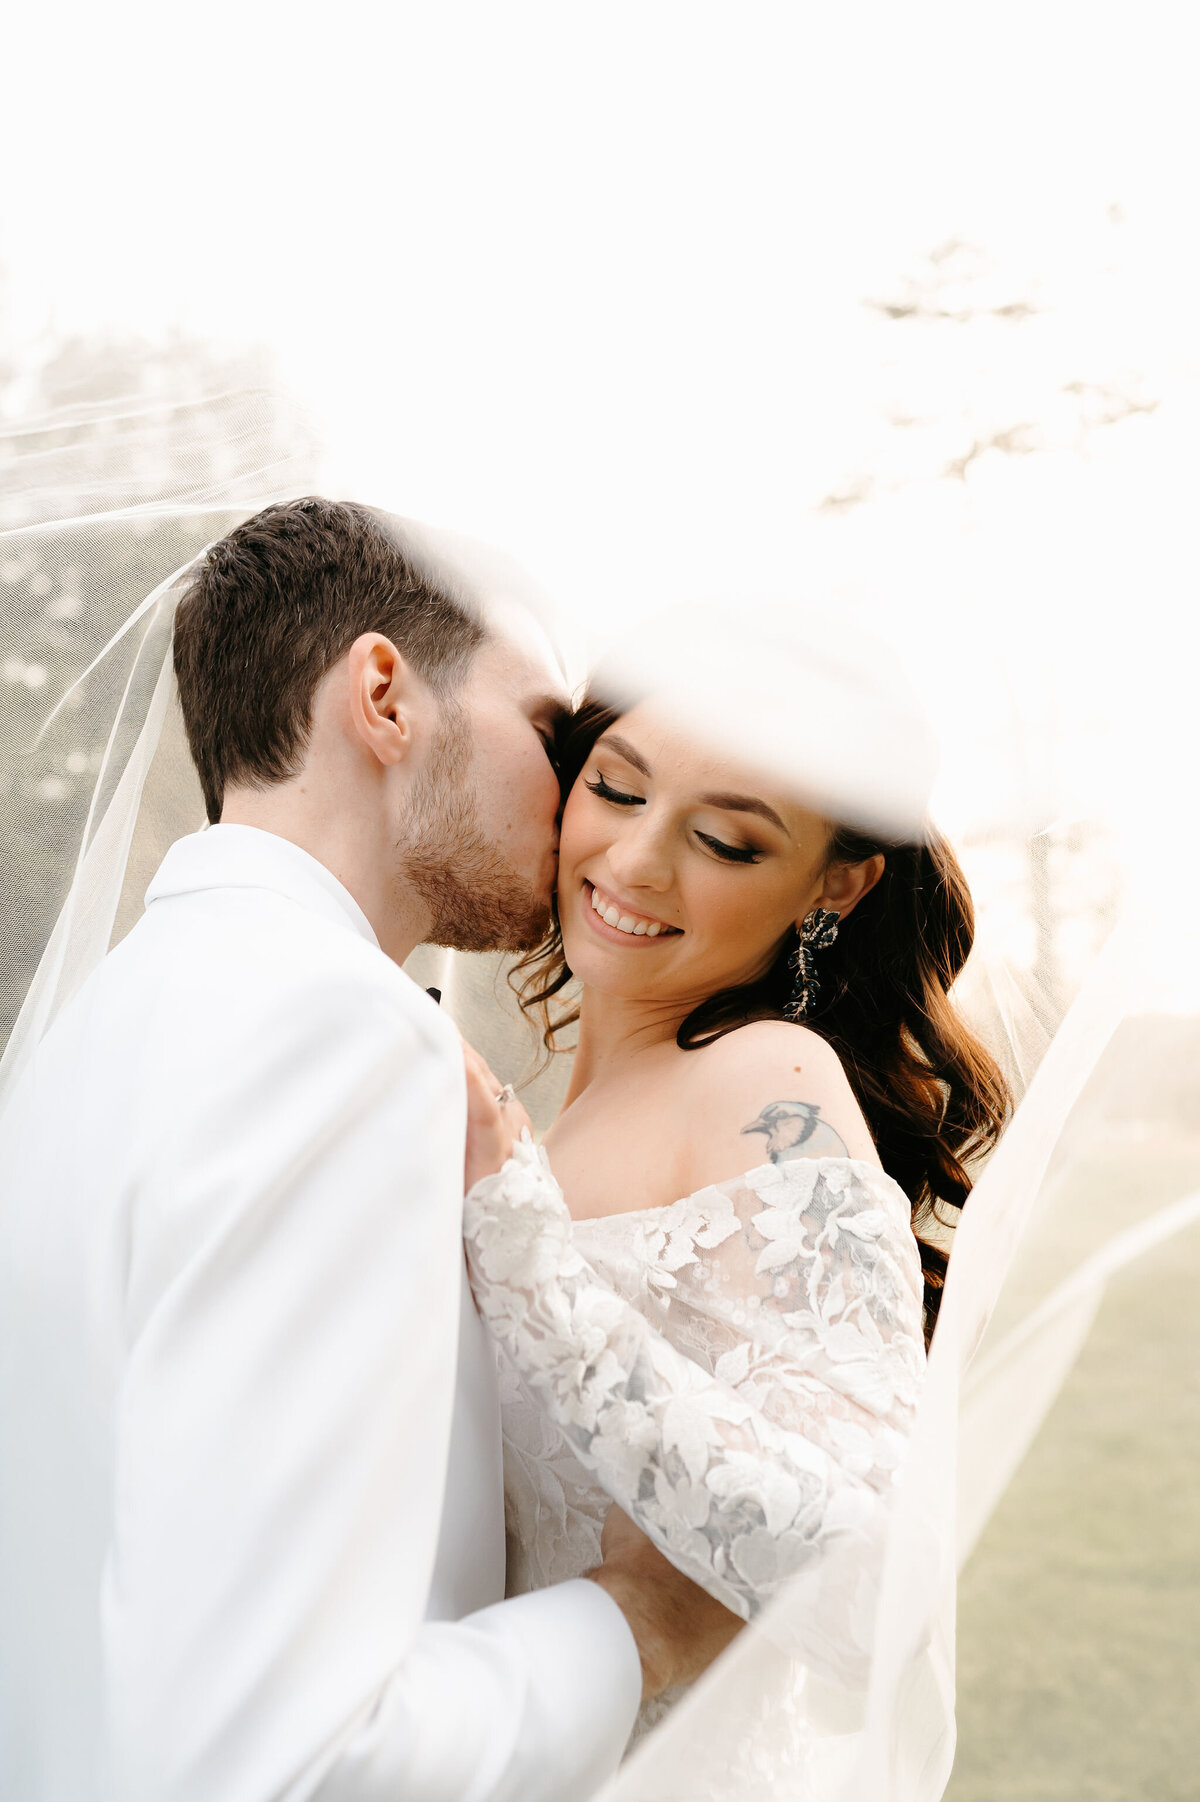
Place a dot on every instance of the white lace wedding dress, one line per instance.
(739, 1370)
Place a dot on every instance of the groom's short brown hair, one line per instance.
(272, 606)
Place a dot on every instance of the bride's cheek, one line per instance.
(578, 829)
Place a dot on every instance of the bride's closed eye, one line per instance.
(620, 798)
(731, 853)
(607, 792)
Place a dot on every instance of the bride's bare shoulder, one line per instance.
(768, 1092)
(766, 1051)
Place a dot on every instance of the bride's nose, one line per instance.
(639, 855)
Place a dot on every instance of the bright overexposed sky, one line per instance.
(590, 283)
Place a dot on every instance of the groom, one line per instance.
(251, 1520)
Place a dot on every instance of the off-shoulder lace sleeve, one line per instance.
(761, 1411)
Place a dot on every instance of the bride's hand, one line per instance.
(492, 1130)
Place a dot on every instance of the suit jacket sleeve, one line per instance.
(292, 1297)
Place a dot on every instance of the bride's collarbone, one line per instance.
(621, 1150)
(660, 1129)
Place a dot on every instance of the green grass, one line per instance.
(1079, 1614)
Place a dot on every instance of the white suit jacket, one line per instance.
(251, 1521)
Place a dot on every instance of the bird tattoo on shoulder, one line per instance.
(795, 1129)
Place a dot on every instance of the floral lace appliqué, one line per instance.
(739, 1371)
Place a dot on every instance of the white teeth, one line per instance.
(612, 916)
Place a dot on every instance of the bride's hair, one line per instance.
(932, 1095)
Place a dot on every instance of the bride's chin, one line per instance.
(590, 966)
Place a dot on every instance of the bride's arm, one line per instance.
(765, 1411)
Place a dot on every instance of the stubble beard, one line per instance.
(476, 900)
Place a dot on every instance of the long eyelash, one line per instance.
(731, 853)
(600, 787)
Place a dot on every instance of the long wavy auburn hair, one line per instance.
(933, 1097)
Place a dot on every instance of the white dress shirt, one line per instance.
(251, 1522)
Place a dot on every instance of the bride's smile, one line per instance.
(624, 919)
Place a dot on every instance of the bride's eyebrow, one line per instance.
(612, 741)
(744, 804)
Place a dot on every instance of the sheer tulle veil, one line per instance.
(821, 697)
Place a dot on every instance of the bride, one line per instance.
(714, 1284)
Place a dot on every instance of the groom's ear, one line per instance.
(383, 689)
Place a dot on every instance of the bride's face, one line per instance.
(679, 873)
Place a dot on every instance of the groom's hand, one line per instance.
(678, 1627)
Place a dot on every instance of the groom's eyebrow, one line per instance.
(549, 708)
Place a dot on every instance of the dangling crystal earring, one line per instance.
(817, 933)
